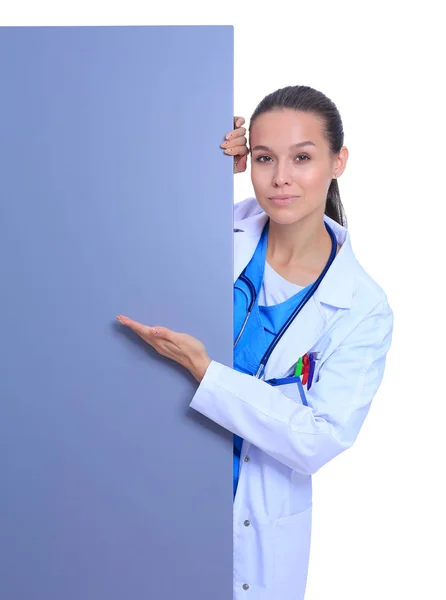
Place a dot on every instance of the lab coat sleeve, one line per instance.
(304, 437)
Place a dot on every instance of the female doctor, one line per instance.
(311, 334)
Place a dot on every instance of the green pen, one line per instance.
(299, 366)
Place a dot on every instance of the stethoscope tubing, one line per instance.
(297, 310)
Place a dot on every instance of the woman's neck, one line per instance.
(306, 243)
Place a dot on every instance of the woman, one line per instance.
(311, 391)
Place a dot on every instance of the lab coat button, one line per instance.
(246, 458)
(245, 586)
(246, 523)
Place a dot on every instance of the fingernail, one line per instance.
(228, 137)
(224, 144)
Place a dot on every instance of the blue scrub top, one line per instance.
(263, 325)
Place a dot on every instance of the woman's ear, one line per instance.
(341, 161)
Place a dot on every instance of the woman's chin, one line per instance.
(284, 216)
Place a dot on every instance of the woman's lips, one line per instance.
(283, 200)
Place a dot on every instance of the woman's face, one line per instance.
(291, 164)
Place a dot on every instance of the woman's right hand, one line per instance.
(235, 145)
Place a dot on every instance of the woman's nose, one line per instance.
(283, 174)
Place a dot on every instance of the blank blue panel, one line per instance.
(115, 197)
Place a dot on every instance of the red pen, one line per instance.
(305, 368)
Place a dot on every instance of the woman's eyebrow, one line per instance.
(299, 145)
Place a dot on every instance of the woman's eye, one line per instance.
(266, 158)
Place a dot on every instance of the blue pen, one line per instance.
(287, 380)
(313, 356)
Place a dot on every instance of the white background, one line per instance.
(379, 525)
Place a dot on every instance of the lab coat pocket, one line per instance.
(295, 391)
(292, 536)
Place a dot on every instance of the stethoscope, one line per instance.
(302, 303)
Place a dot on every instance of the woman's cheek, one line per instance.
(260, 177)
(313, 178)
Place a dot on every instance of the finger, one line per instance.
(235, 133)
(237, 151)
(238, 141)
(165, 334)
(238, 121)
(135, 326)
(240, 164)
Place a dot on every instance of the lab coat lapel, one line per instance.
(299, 338)
(308, 325)
(335, 290)
(246, 237)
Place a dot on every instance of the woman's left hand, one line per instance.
(235, 144)
(180, 347)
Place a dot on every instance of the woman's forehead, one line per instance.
(286, 127)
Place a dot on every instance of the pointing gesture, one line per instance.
(180, 347)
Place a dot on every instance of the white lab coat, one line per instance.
(349, 322)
